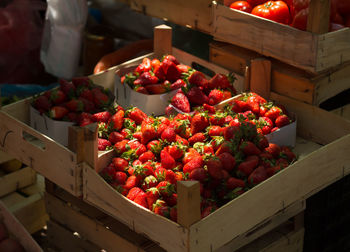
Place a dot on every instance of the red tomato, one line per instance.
(347, 21)
(338, 19)
(242, 6)
(277, 11)
(300, 19)
(254, 3)
(343, 7)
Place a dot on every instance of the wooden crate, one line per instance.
(285, 79)
(343, 111)
(318, 166)
(311, 51)
(28, 206)
(195, 14)
(70, 219)
(15, 228)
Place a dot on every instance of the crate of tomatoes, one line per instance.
(309, 34)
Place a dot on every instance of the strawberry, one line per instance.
(108, 173)
(169, 135)
(209, 108)
(214, 167)
(165, 188)
(189, 155)
(120, 177)
(58, 112)
(155, 146)
(215, 96)
(115, 137)
(86, 93)
(249, 148)
(149, 182)
(243, 105)
(247, 166)
(196, 96)
(42, 103)
(157, 89)
(262, 141)
(88, 105)
(85, 119)
(282, 162)
(120, 147)
(183, 68)
(273, 113)
(228, 161)
(170, 70)
(75, 105)
(199, 122)
(148, 130)
(273, 149)
(103, 144)
(287, 153)
(233, 183)
(171, 200)
(155, 63)
(168, 162)
(258, 175)
(152, 195)
(208, 210)
(177, 84)
(57, 96)
(161, 208)
(195, 163)
(100, 99)
(230, 132)
(120, 164)
(170, 176)
(81, 81)
(171, 58)
(180, 101)
(67, 87)
(282, 120)
(159, 73)
(173, 213)
(176, 150)
(141, 199)
(140, 171)
(103, 116)
(137, 147)
(222, 81)
(215, 131)
(136, 114)
(116, 121)
(146, 156)
(146, 78)
(181, 140)
(217, 119)
(227, 94)
(198, 137)
(73, 117)
(133, 193)
(262, 111)
(270, 171)
(198, 78)
(199, 174)
(266, 124)
(225, 146)
(131, 182)
(145, 66)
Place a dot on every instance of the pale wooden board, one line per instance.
(98, 193)
(260, 77)
(263, 228)
(305, 50)
(4, 157)
(17, 230)
(318, 16)
(343, 111)
(16, 180)
(162, 40)
(55, 162)
(88, 228)
(299, 181)
(194, 13)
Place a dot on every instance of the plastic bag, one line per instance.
(20, 32)
(62, 38)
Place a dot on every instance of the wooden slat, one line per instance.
(299, 181)
(188, 203)
(89, 229)
(343, 111)
(318, 16)
(260, 77)
(16, 180)
(162, 42)
(97, 192)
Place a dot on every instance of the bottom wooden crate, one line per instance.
(28, 206)
(77, 226)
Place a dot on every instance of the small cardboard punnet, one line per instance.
(57, 130)
(149, 103)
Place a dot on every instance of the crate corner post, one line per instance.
(162, 43)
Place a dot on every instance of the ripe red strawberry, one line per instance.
(146, 78)
(155, 146)
(157, 89)
(171, 72)
(230, 132)
(170, 176)
(222, 81)
(57, 96)
(242, 105)
(217, 119)
(247, 166)
(173, 213)
(120, 164)
(144, 66)
(148, 130)
(152, 195)
(73, 117)
(115, 137)
(120, 177)
(177, 84)
(146, 156)
(100, 99)
(85, 119)
(120, 147)
(81, 81)
(215, 96)
(196, 96)
(42, 103)
(88, 105)
(249, 148)
(282, 162)
(131, 182)
(215, 131)
(155, 63)
(171, 58)
(180, 101)
(262, 111)
(214, 167)
(75, 105)
(195, 163)
(273, 113)
(257, 176)
(183, 68)
(176, 150)
(141, 89)
(287, 153)
(266, 125)
(228, 161)
(181, 140)
(141, 199)
(171, 200)
(210, 109)
(227, 94)
(117, 120)
(273, 149)
(159, 72)
(282, 120)
(58, 112)
(85, 93)
(198, 123)
(270, 171)
(168, 162)
(149, 182)
(199, 174)
(208, 210)
(190, 154)
(233, 183)
(165, 188)
(103, 144)
(108, 173)
(198, 78)
(160, 172)
(103, 116)
(67, 87)
(161, 208)
(133, 193)
(137, 147)
(136, 114)
(169, 135)
(141, 171)
(198, 137)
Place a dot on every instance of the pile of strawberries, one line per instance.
(157, 77)
(267, 116)
(74, 101)
(223, 150)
